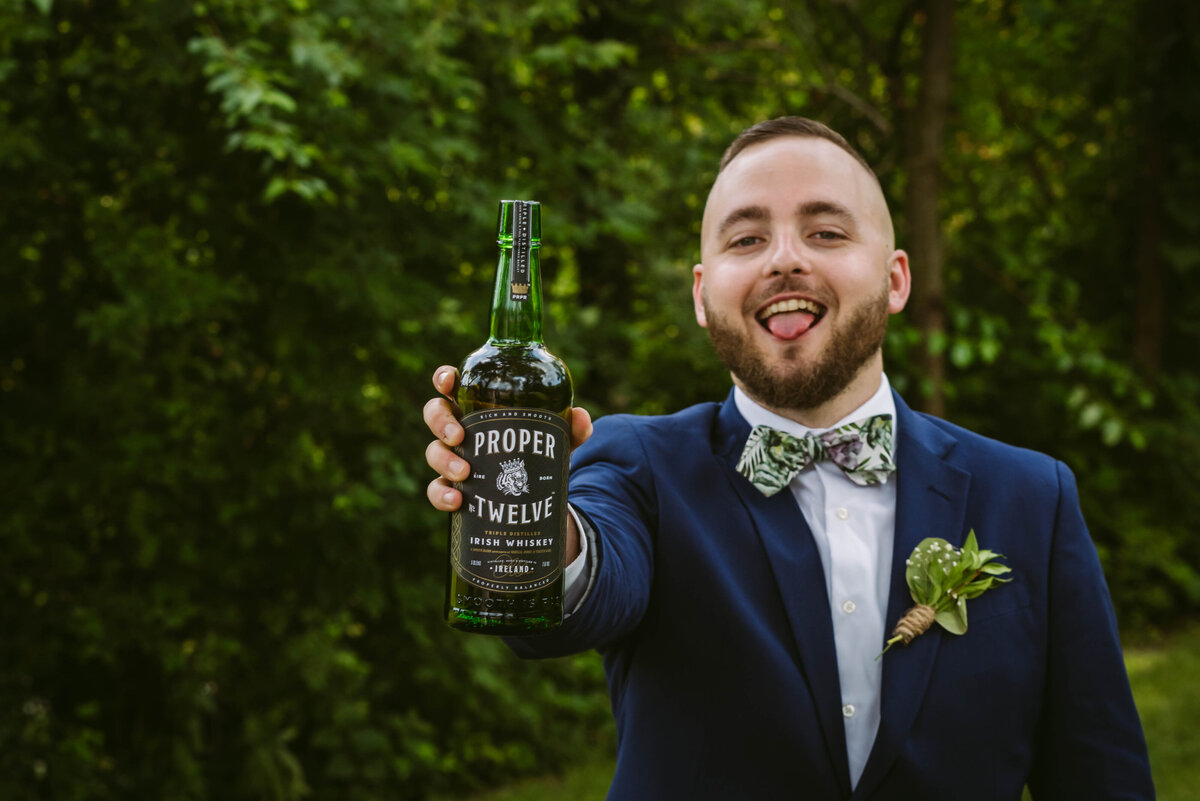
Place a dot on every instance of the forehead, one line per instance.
(782, 174)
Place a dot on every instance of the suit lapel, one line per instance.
(931, 497)
(796, 565)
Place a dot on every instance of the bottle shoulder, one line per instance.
(490, 357)
(515, 375)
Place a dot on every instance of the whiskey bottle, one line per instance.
(508, 540)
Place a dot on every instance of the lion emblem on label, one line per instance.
(513, 480)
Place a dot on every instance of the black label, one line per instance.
(522, 240)
(508, 534)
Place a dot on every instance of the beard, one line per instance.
(787, 381)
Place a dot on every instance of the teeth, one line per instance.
(790, 305)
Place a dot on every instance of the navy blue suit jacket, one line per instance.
(711, 611)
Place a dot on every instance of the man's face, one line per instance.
(798, 272)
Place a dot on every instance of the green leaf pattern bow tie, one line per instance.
(863, 451)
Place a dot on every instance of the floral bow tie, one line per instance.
(863, 450)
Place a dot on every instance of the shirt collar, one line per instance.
(881, 402)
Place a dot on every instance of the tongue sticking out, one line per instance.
(790, 325)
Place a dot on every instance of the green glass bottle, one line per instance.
(508, 541)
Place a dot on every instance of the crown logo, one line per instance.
(520, 289)
(513, 480)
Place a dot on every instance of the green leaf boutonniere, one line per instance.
(942, 579)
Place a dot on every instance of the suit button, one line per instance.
(848, 711)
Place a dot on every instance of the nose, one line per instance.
(786, 256)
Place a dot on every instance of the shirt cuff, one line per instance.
(581, 573)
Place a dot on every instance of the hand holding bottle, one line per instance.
(441, 414)
(442, 418)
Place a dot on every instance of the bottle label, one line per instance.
(508, 536)
(522, 241)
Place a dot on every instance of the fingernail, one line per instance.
(457, 468)
(450, 431)
(448, 496)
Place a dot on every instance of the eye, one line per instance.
(829, 236)
(746, 241)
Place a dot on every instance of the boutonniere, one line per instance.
(942, 579)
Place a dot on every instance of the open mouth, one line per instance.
(791, 318)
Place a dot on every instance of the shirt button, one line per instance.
(848, 711)
(848, 607)
(842, 512)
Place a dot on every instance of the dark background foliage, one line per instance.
(237, 237)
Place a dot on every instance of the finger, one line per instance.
(446, 462)
(445, 380)
(442, 496)
(581, 426)
(439, 416)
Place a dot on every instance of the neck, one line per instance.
(860, 389)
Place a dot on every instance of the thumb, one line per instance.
(581, 426)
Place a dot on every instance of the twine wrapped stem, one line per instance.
(916, 621)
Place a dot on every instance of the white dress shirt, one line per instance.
(581, 573)
(853, 528)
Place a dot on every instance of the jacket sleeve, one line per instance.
(1089, 741)
(612, 486)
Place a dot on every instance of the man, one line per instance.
(740, 605)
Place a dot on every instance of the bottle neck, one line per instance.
(516, 321)
(517, 300)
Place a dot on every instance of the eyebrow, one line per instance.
(816, 208)
(740, 215)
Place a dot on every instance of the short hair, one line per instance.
(789, 126)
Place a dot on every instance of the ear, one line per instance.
(899, 281)
(698, 295)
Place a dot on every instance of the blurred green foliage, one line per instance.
(237, 236)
